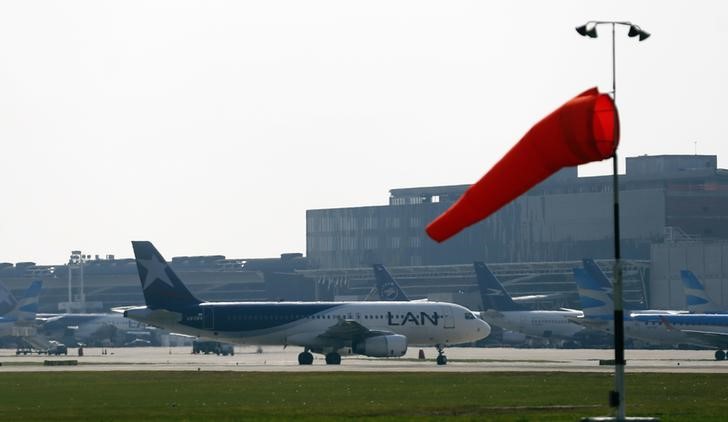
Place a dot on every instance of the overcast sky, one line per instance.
(210, 127)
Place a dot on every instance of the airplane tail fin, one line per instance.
(387, 287)
(697, 298)
(492, 292)
(7, 300)
(26, 308)
(161, 286)
(595, 296)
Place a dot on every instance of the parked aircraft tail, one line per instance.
(594, 294)
(695, 295)
(387, 288)
(26, 308)
(161, 286)
(7, 300)
(492, 293)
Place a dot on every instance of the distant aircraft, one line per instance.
(710, 330)
(595, 293)
(90, 328)
(502, 311)
(696, 297)
(377, 329)
(20, 321)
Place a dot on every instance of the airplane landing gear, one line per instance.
(333, 358)
(719, 355)
(441, 358)
(305, 358)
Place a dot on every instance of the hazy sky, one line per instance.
(211, 126)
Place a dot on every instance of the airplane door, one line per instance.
(208, 318)
(447, 320)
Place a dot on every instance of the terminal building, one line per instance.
(674, 215)
(564, 218)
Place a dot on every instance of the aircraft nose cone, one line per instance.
(484, 328)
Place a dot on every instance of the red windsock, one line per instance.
(584, 129)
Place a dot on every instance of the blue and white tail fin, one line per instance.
(695, 295)
(7, 300)
(492, 293)
(595, 291)
(26, 308)
(387, 287)
(161, 286)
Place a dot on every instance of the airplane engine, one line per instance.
(392, 345)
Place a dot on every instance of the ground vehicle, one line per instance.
(138, 342)
(207, 347)
(57, 348)
(54, 348)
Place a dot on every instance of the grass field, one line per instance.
(220, 396)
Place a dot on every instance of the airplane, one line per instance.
(90, 328)
(502, 311)
(376, 329)
(595, 293)
(708, 330)
(706, 324)
(20, 321)
(696, 297)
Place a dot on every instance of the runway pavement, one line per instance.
(461, 359)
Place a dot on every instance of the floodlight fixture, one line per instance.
(636, 31)
(586, 31)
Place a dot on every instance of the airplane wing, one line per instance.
(593, 323)
(122, 309)
(46, 319)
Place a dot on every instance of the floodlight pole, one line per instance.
(616, 397)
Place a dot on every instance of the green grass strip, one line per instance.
(228, 396)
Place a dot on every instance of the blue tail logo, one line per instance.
(26, 308)
(387, 287)
(161, 286)
(492, 292)
(595, 290)
(7, 300)
(696, 297)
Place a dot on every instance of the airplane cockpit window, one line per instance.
(469, 315)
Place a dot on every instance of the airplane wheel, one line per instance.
(442, 360)
(305, 358)
(719, 355)
(333, 358)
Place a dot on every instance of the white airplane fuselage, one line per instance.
(547, 324)
(306, 323)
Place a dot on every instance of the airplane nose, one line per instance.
(484, 328)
